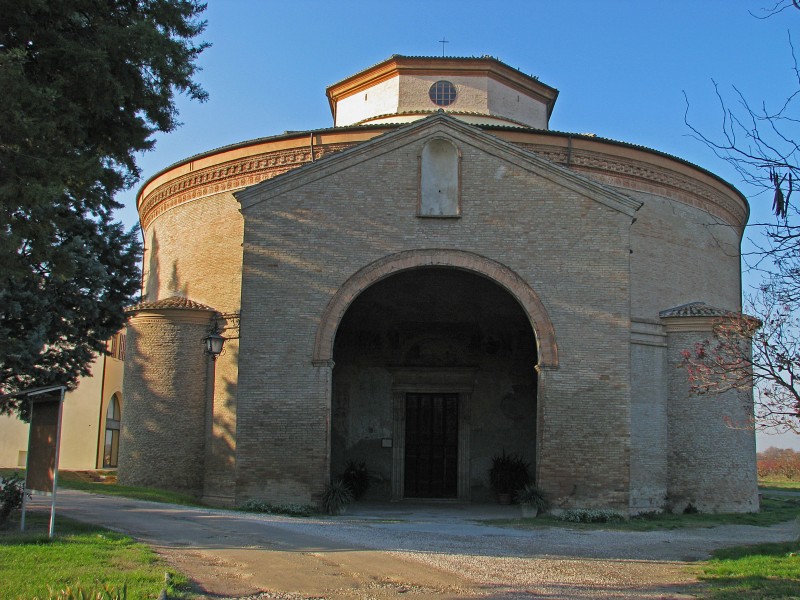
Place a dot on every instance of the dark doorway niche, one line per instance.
(446, 333)
(431, 446)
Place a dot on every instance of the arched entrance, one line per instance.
(435, 372)
(547, 349)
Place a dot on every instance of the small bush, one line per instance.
(290, 510)
(590, 515)
(651, 515)
(533, 495)
(336, 497)
(12, 490)
(690, 509)
(509, 473)
(356, 477)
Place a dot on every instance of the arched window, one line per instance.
(113, 417)
(439, 179)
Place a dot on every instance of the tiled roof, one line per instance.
(456, 58)
(694, 309)
(172, 302)
(423, 111)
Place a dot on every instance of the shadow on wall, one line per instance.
(163, 434)
(175, 287)
(219, 484)
(152, 287)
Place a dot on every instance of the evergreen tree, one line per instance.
(83, 86)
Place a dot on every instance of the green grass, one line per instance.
(79, 555)
(761, 572)
(774, 509)
(788, 485)
(73, 481)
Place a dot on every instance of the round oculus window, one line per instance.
(442, 93)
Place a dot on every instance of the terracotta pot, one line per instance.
(504, 498)
(529, 511)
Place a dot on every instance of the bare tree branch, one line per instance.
(747, 352)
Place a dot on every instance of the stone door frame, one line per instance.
(431, 380)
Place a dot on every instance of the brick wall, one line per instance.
(681, 254)
(711, 465)
(602, 432)
(162, 441)
(303, 244)
(648, 417)
(194, 251)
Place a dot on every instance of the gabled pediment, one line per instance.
(428, 128)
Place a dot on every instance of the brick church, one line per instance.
(434, 280)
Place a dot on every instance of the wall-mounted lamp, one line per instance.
(214, 343)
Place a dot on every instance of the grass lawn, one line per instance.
(78, 481)
(762, 572)
(774, 509)
(82, 555)
(73, 481)
(788, 485)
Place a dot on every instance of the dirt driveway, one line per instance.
(410, 551)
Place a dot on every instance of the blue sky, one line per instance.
(624, 68)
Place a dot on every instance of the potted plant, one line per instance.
(508, 474)
(336, 497)
(356, 477)
(532, 500)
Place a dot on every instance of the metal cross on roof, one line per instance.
(443, 41)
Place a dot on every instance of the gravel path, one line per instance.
(412, 551)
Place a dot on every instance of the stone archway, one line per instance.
(458, 259)
(427, 349)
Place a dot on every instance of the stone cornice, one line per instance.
(175, 309)
(682, 324)
(642, 176)
(171, 315)
(227, 176)
(605, 162)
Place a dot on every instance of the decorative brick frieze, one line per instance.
(639, 175)
(231, 175)
(610, 169)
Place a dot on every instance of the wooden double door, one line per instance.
(431, 445)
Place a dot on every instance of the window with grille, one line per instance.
(442, 93)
